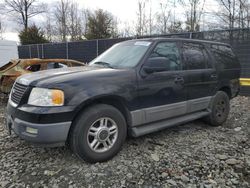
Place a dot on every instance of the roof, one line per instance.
(181, 39)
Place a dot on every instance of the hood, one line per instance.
(62, 75)
(32, 78)
(80, 83)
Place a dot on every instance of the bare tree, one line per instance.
(141, 18)
(243, 13)
(194, 11)
(49, 26)
(66, 21)
(26, 9)
(150, 18)
(84, 16)
(163, 18)
(128, 30)
(61, 14)
(175, 27)
(227, 14)
(234, 13)
(248, 15)
(75, 24)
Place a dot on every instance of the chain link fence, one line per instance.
(85, 51)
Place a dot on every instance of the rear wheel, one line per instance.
(98, 133)
(220, 108)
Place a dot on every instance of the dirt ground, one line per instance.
(190, 155)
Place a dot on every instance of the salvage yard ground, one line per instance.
(191, 155)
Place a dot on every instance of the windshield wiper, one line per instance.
(103, 63)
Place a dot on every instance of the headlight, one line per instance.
(46, 97)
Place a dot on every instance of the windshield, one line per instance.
(123, 55)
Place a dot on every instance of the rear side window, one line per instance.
(224, 55)
(195, 56)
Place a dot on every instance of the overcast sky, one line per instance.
(124, 10)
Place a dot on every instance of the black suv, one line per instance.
(134, 88)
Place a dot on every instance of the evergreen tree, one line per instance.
(101, 24)
(33, 35)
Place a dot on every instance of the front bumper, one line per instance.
(37, 129)
(45, 134)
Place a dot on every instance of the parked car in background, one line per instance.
(18, 67)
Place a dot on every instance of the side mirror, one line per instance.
(156, 64)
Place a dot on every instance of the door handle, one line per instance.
(213, 76)
(179, 80)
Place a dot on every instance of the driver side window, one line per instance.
(170, 51)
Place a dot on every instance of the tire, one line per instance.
(220, 108)
(98, 133)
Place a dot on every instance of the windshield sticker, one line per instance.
(142, 43)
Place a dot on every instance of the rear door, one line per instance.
(228, 67)
(201, 76)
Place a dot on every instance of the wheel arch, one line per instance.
(227, 90)
(115, 101)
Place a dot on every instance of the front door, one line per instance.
(161, 92)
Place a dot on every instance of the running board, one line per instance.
(159, 125)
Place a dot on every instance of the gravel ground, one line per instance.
(191, 155)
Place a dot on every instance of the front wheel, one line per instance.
(98, 133)
(220, 108)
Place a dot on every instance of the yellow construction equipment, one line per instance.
(245, 81)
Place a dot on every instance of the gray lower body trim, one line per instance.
(195, 105)
(47, 134)
(160, 125)
(165, 112)
(162, 112)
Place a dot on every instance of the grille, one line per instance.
(17, 92)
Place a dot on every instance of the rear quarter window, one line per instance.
(224, 56)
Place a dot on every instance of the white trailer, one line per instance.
(8, 51)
